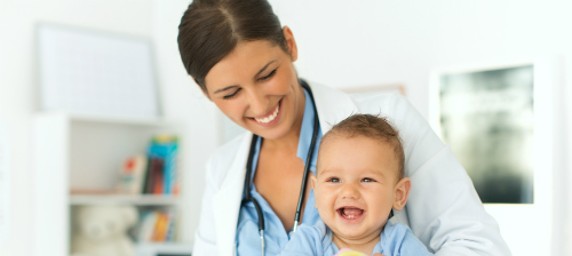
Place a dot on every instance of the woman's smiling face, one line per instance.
(256, 86)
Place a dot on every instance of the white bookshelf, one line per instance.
(85, 153)
(137, 200)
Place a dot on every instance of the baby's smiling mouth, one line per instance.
(350, 213)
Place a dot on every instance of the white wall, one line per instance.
(18, 82)
(346, 44)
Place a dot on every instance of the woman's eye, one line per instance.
(231, 95)
(266, 77)
(367, 180)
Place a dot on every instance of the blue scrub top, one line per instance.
(276, 237)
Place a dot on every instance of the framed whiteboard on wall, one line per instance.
(82, 71)
(498, 119)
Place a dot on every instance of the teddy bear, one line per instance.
(100, 230)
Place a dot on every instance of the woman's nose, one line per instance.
(257, 102)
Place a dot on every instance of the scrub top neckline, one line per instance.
(303, 147)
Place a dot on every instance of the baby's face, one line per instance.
(355, 187)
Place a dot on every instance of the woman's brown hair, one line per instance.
(210, 30)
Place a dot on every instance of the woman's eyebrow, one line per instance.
(225, 88)
(264, 68)
(257, 74)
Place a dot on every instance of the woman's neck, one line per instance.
(365, 244)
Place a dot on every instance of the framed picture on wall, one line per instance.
(498, 121)
(364, 91)
(487, 118)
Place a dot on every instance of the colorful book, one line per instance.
(132, 175)
(166, 147)
(156, 226)
(147, 226)
(161, 227)
(155, 176)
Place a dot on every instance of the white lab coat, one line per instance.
(443, 209)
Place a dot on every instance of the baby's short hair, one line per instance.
(373, 127)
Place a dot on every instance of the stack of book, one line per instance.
(152, 173)
(156, 226)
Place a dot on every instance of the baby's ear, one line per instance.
(313, 181)
(401, 193)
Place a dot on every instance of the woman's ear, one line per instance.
(290, 42)
(401, 193)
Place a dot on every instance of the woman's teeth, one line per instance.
(269, 118)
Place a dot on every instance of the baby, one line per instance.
(359, 182)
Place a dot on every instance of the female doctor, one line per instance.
(256, 195)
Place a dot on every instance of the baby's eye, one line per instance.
(231, 95)
(333, 180)
(367, 180)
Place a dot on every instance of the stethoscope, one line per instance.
(247, 182)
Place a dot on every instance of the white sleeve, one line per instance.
(443, 209)
(205, 237)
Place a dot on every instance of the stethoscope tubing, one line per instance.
(247, 180)
(307, 165)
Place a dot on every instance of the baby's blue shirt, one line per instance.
(396, 239)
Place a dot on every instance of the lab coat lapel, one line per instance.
(228, 199)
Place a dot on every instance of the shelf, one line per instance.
(139, 200)
(92, 118)
(77, 162)
(152, 249)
